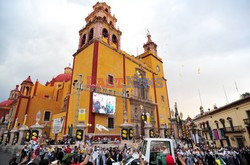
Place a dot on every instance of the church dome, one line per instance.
(16, 89)
(6, 103)
(62, 78)
(28, 80)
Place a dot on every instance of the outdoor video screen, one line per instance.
(103, 104)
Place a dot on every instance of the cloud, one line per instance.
(38, 38)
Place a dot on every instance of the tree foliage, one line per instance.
(244, 95)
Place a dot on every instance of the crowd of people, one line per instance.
(78, 154)
(65, 140)
(190, 154)
(186, 153)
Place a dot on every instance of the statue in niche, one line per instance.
(172, 113)
(38, 116)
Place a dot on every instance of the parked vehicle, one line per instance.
(153, 150)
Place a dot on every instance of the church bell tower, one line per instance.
(100, 25)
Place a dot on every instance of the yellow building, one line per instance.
(49, 99)
(225, 126)
(108, 86)
(101, 67)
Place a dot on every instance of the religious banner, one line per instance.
(131, 134)
(151, 133)
(143, 117)
(124, 134)
(34, 134)
(148, 117)
(27, 136)
(216, 134)
(162, 119)
(166, 133)
(79, 135)
(57, 125)
(81, 115)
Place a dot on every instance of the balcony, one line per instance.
(246, 121)
(235, 129)
(207, 129)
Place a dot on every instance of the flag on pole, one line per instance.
(101, 127)
(198, 71)
(25, 119)
(81, 115)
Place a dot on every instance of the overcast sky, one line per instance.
(38, 38)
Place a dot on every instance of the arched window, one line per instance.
(114, 39)
(106, 10)
(105, 18)
(26, 91)
(105, 33)
(91, 34)
(83, 39)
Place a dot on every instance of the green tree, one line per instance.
(244, 95)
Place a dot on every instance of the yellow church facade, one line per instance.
(106, 87)
(137, 83)
(47, 99)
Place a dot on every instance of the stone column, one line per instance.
(12, 134)
(37, 127)
(4, 136)
(22, 132)
(126, 126)
(162, 131)
(3, 128)
(147, 127)
(82, 126)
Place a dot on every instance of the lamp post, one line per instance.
(125, 112)
(125, 126)
(79, 113)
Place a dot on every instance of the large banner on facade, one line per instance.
(103, 104)
(57, 125)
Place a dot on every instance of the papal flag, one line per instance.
(148, 117)
(161, 119)
(25, 119)
(81, 115)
